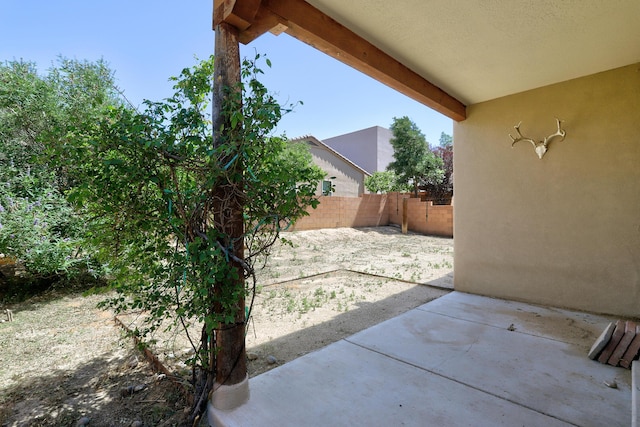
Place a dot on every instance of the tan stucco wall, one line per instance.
(564, 230)
(347, 182)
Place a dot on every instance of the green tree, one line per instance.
(414, 164)
(443, 191)
(382, 182)
(445, 140)
(152, 181)
(38, 228)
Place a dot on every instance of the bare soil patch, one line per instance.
(62, 359)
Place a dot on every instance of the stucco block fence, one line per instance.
(374, 210)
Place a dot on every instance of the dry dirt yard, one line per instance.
(64, 362)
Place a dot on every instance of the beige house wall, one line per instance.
(564, 230)
(348, 181)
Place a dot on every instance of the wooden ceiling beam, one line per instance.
(308, 24)
(238, 13)
(266, 21)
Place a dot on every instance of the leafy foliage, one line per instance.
(147, 189)
(157, 187)
(383, 182)
(414, 164)
(446, 140)
(442, 192)
(38, 228)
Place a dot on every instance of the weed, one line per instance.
(291, 305)
(306, 305)
(320, 296)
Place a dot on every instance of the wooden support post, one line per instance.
(405, 215)
(231, 382)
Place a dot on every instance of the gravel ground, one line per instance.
(61, 359)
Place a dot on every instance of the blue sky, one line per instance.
(147, 41)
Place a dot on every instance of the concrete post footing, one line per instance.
(226, 397)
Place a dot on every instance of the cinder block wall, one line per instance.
(440, 220)
(368, 210)
(373, 210)
(423, 217)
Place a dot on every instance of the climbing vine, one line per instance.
(151, 182)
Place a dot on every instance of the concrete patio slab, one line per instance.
(347, 385)
(548, 322)
(476, 342)
(458, 360)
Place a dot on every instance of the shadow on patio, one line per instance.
(286, 347)
(458, 360)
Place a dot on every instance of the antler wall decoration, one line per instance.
(539, 146)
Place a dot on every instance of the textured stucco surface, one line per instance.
(564, 230)
(348, 181)
(478, 50)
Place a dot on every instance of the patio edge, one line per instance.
(635, 394)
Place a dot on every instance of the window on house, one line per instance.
(326, 188)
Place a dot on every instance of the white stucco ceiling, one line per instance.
(478, 50)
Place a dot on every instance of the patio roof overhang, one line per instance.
(449, 54)
(306, 23)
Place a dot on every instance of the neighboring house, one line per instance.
(369, 148)
(343, 177)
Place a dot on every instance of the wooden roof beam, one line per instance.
(308, 24)
(238, 13)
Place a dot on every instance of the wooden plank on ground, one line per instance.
(613, 343)
(602, 341)
(632, 351)
(629, 334)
